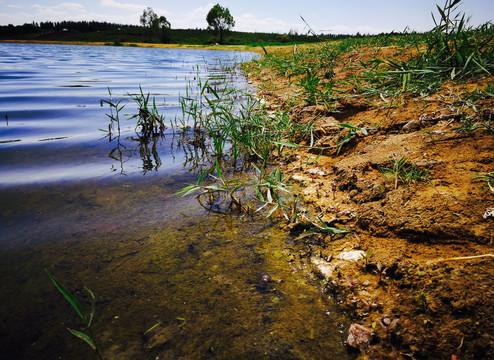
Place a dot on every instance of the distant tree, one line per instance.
(150, 20)
(165, 29)
(220, 20)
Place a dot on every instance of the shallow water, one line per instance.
(150, 257)
(51, 111)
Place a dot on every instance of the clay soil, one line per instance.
(431, 240)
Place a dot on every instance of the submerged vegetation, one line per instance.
(76, 305)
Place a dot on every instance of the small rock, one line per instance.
(413, 125)
(359, 336)
(324, 267)
(300, 178)
(263, 282)
(353, 255)
(316, 171)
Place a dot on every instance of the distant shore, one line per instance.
(256, 49)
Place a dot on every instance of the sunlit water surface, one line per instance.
(114, 225)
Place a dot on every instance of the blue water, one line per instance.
(51, 111)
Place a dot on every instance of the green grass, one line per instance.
(488, 179)
(452, 50)
(86, 319)
(401, 171)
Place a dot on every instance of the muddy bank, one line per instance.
(417, 270)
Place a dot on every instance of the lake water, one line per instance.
(171, 280)
(50, 104)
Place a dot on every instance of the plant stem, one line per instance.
(465, 257)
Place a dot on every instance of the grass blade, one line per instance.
(84, 337)
(69, 297)
(93, 307)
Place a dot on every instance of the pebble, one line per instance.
(413, 125)
(359, 336)
(353, 255)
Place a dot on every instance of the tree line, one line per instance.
(219, 20)
(49, 26)
(152, 28)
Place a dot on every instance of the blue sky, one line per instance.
(330, 16)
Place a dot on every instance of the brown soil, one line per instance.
(415, 231)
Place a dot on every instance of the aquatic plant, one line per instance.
(148, 129)
(76, 305)
(222, 187)
(320, 227)
(234, 120)
(149, 120)
(268, 190)
(114, 117)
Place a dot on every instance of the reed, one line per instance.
(149, 120)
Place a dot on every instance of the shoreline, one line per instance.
(416, 248)
(256, 49)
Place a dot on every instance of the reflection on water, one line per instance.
(209, 285)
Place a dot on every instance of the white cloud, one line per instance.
(248, 22)
(62, 11)
(70, 7)
(193, 19)
(130, 13)
(118, 5)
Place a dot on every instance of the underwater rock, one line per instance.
(263, 282)
(359, 336)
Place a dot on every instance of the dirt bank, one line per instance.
(421, 277)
